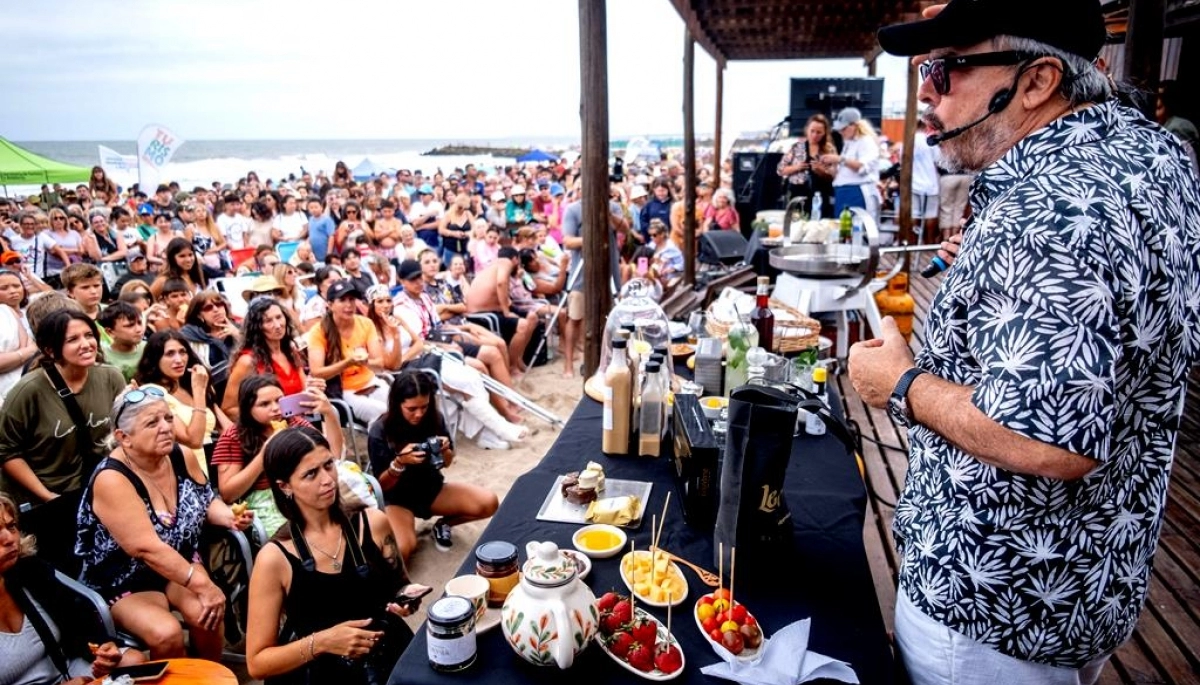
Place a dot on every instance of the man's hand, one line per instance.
(949, 251)
(876, 365)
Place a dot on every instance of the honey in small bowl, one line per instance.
(599, 539)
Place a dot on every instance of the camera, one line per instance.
(432, 447)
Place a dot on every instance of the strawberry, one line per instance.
(607, 601)
(609, 624)
(645, 632)
(669, 659)
(620, 643)
(641, 657)
(623, 611)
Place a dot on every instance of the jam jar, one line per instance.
(497, 561)
(450, 634)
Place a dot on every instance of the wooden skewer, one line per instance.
(653, 547)
(670, 602)
(732, 572)
(633, 577)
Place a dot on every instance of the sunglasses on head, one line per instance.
(937, 71)
(137, 396)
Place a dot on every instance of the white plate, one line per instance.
(678, 329)
(670, 565)
(491, 619)
(746, 655)
(583, 565)
(663, 636)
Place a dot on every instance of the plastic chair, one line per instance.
(286, 250)
(488, 320)
(376, 489)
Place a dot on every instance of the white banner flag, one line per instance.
(156, 145)
(115, 162)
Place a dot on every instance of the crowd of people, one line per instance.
(172, 366)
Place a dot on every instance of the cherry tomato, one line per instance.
(738, 614)
(721, 593)
(715, 635)
(720, 604)
(710, 624)
(705, 611)
(706, 599)
(750, 620)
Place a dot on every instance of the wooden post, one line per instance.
(689, 154)
(904, 212)
(1143, 48)
(717, 160)
(597, 272)
(872, 66)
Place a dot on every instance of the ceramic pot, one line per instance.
(550, 617)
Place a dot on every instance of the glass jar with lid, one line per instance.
(497, 561)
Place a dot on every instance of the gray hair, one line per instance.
(130, 412)
(1082, 79)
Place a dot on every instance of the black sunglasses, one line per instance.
(938, 70)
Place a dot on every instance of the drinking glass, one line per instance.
(696, 327)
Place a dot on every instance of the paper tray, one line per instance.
(556, 507)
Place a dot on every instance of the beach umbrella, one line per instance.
(536, 156)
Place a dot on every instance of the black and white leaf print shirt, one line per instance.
(1072, 312)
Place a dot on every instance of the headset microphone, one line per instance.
(999, 101)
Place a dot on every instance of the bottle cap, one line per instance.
(764, 280)
(619, 343)
(653, 366)
(819, 374)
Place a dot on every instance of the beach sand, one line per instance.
(492, 469)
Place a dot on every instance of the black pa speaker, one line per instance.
(756, 185)
(722, 247)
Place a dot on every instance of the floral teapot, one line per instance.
(550, 617)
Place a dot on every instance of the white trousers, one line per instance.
(370, 406)
(936, 655)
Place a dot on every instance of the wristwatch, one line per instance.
(897, 405)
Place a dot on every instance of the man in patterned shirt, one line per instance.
(1044, 405)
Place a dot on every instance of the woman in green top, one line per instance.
(43, 455)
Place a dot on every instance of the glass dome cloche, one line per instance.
(635, 310)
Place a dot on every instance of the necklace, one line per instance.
(337, 565)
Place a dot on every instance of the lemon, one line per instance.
(691, 363)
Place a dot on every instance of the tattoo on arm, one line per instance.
(391, 552)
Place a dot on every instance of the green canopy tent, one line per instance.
(19, 166)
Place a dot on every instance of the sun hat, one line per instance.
(262, 284)
(637, 193)
(342, 289)
(518, 190)
(1073, 26)
(409, 269)
(498, 196)
(846, 117)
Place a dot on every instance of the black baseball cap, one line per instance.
(343, 288)
(1073, 26)
(409, 270)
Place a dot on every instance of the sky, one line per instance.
(366, 69)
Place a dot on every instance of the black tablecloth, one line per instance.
(828, 579)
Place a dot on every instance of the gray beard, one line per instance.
(977, 148)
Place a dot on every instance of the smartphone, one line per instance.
(643, 265)
(293, 405)
(141, 672)
(413, 595)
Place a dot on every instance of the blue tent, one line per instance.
(536, 156)
(366, 170)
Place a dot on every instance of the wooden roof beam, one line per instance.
(688, 14)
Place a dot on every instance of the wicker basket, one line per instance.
(797, 335)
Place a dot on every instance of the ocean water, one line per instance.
(200, 162)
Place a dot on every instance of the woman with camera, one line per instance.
(339, 581)
(408, 447)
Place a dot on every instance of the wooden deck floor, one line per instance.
(1165, 647)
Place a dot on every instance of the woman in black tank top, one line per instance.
(340, 582)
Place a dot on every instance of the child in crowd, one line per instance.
(483, 254)
(85, 284)
(122, 322)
